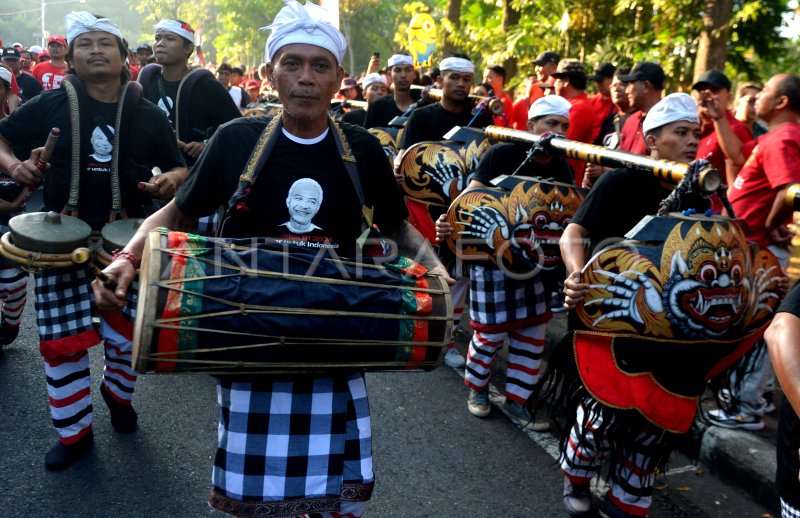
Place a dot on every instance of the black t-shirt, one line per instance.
(430, 123)
(789, 428)
(505, 158)
(209, 104)
(151, 143)
(304, 194)
(29, 87)
(381, 111)
(357, 116)
(620, 199)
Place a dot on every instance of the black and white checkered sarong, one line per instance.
(499, 303)
(64, 309)
(787, 511)
(288, 448)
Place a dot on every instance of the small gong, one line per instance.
(117, 234)
(49, 232)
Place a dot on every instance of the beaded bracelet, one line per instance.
(128, 256)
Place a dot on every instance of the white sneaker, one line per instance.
(454, 359)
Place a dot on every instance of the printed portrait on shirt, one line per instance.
(303, 203)
(102, 146)
(166, 104)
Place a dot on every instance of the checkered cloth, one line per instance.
(787, 511)
(64, 311)
(288, 448)
(498, 303)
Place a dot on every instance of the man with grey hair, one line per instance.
(291, 445)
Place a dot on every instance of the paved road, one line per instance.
(432, 458)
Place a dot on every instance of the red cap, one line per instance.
(55, 38)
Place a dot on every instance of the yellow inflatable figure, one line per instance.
(422, 39)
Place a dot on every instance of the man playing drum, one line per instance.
(291, 445)
(99, 91)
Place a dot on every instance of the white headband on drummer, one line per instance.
(462, 65)
(549, 105)
(82, 22)
(400, 59)
(371, 79)
(308, 24)
(184, 30)
(672, 108)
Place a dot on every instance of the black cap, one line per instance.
(646, 71)
(144, 46)
(10, 53)
(714, 79)
(547, 57)
(602, 71)
(569, 68)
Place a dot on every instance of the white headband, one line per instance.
(457, 65)
(5, 74)
(549, 105)
(81, 22)
(371, 79)
(400, 59)
(672, 108)
(308, 24)
(184, 30)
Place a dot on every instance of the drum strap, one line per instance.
(262, 151)
(79, 108)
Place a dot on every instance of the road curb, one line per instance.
(740, 458)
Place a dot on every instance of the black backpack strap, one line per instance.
(183, 107)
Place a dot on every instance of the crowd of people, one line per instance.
(301, 445)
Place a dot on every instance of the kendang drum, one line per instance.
(669, 308)
(516, 225)
(237, 306)
(262, 108)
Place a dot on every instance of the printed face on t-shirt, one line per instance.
(166, 104)
(303, 202)
(101, 145)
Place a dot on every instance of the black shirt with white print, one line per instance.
(151, 143)
(304, 196)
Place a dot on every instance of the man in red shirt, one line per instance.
(643, 87)
(570, 83)
(51, 73)
(714, 84)
(521, 106)
(757, 196)
(495, 76)
(602, 104)
(546, 63)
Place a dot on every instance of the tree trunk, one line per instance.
(454, 17)
(712, 47)
(511, 18)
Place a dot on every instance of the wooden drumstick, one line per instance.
(149, 188)
(49, 147)
(83, 256)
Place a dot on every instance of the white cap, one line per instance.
(400, 59)
(672, 108)
(308, 24)
(82, 22)
(549, 105)
(371, 79)
(184, 30)
(5, 74)
(35, 49)
(457, 65)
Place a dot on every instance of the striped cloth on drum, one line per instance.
(498, 303)
(288, 448)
